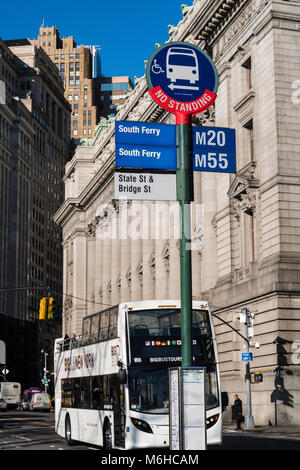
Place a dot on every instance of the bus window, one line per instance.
(86, 330)
(104, 325)
(95, 328)
(113, 323)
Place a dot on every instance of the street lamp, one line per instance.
(45, 379)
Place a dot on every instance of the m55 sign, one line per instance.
(214, 149)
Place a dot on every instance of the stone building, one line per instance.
(85, 87)
(34, 148)
(245, 226)
(35, 123)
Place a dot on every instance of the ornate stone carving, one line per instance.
(166, 255)
(139, 270)
(152, 265)
(242, 191)
(128, 277)
(68, 304)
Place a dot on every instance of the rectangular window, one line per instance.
(248, 73)
(114, 86)
(250, 136)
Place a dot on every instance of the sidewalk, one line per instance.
(284, 431)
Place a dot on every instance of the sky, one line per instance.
(126, 31)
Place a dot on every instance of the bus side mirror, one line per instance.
(224, 398)
(122, 376)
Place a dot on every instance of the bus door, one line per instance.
(119, 412)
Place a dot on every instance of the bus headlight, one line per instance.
(141, 425)
(211, 421)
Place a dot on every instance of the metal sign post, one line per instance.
(183, 80)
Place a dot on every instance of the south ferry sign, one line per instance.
(182, 79)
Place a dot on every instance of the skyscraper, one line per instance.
(80, 69)
(35, 136)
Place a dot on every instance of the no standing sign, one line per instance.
(182, 79)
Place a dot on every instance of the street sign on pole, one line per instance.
(145, 186)
(183, 80)
(248, 356)
(141, 156)
(214, 149)
(145, 133)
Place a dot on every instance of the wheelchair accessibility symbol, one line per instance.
(156, 68)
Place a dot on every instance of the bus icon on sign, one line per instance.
(182, 64)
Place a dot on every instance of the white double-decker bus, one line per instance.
(111, 383)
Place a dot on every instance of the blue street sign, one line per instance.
(213, 137)
(179, 73)
(143, 156)
(214, 149)
(247, 356)
(145, 133)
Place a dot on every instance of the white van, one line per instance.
(40, 401)
(182, 64)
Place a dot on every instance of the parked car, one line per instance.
(3, 404)
(40, 401)
(25, 405)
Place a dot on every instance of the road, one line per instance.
(35, 431)
(31, 431)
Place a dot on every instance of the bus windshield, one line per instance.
(149, 390)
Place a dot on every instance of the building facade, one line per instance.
(245, 226)
(35, 125)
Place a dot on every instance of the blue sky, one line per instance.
(126, 30)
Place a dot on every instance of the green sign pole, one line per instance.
(185, 194)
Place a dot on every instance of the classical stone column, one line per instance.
(115, 257)
(79, 290)
(90, 273)
(135, 234)
(106, 262)
(174, 252)
(148, 256)
(209, 258)
(161, 234)
(197, 231)
(98, 266)
(125, 258)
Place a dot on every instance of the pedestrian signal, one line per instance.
(43, 308)
(51, 308)
(258, 377)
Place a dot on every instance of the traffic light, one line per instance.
(43, 308)
(51, 308)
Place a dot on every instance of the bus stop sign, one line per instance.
(182, 79)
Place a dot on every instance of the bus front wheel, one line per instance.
(107, 436)
(68, 431)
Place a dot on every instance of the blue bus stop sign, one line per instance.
(182, 78)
